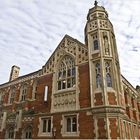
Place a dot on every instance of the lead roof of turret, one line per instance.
(97, 8)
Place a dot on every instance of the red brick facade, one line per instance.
(88, 105)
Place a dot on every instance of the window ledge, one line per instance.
(9, 104)
(45, 135)
(30, 100)
(98, 90)
(95, 51)
(65, 90)
(70, 134)
(110, 89)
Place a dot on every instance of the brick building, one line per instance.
(78, 93)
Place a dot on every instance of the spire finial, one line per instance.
(95, 3)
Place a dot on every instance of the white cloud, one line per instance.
(31, 30)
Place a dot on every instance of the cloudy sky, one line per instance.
(30, 30)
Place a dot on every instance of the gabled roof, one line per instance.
(67, 45)
(67, 37)
(40, 72)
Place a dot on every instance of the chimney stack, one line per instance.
(14, 73)
(138, 88)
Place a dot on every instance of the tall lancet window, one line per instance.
(96, 46)
(66, 73)
(95, 42)
(108, 74)
(98, 75)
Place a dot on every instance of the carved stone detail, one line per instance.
(103, 24)
(64, 101)
(92, 26)
(27, 119)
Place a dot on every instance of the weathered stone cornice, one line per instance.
(108, 109)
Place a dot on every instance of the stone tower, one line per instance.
(105, 78)
(14, 72)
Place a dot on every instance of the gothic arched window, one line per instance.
(11, 133)
(108, 74)
(96, 46)
(66, 73)
(27, 134)
(98, 75)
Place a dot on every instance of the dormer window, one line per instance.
(95, 45)
(66, 73)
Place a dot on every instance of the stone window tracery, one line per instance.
(23, 92)
(27, 134)
(12, 95)
(10, 134)
(66, 73)
(98, 75)
(108, 74)
(96, 46)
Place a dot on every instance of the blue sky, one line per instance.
(30, 30)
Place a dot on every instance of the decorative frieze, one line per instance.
(11, 121)
(64, 101)
(27, 119)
